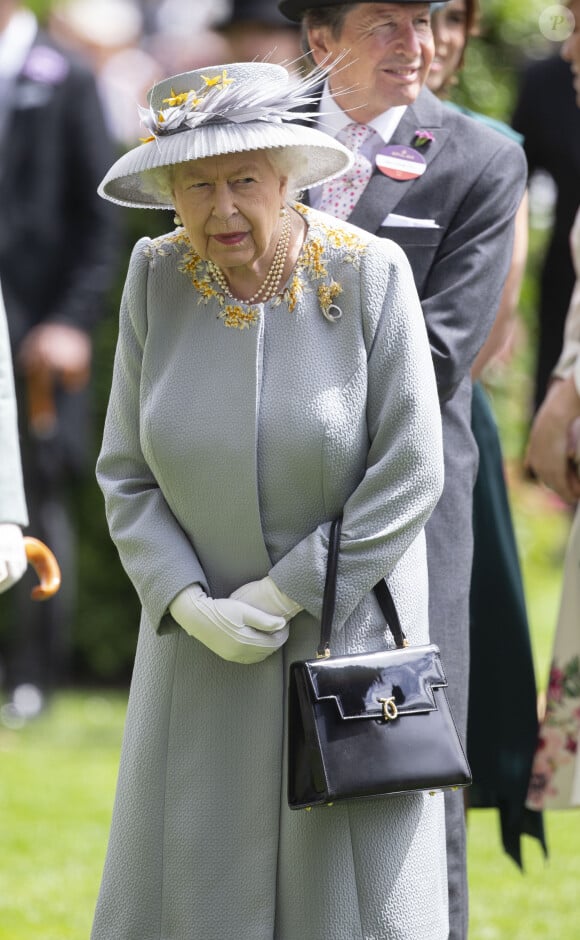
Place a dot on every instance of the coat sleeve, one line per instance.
(404, 466)
(462, 291)
(152, 546)
(12, 500)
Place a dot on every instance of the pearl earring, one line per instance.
(283, 211)
(177, 219)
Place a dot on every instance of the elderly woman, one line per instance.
(272, 371)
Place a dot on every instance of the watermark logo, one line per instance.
(556, 23)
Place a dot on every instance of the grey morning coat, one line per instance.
(226, 453)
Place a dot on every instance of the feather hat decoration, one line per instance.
(220, 98)
(225, 109)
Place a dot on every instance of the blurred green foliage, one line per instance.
(42, 8)
(509, 36)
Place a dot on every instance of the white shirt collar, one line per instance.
(15, 42)
(333, 119)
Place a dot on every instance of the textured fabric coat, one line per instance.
(226, 453)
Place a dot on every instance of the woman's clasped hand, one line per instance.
(231, 628)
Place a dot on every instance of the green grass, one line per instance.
(56, 791)
(542, 902)
(539, 904)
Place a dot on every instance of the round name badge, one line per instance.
(401, 163)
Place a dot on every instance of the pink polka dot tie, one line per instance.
(340, 195)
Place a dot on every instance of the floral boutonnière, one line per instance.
(422, 138)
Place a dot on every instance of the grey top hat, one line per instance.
(294, 9)
(220, 110)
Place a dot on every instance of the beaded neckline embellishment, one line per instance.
(310, 273)
(271, 282)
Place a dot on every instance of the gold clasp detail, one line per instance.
(390, 710)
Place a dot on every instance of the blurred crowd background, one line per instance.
(129, 45)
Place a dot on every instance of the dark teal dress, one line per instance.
(502, 719)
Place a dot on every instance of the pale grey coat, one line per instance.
(226, 454)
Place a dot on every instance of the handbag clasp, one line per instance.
(390, 709)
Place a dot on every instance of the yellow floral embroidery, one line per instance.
(160, 246)
(327, 294)
(311, 266)
(313, 257)
(235, 315)
(292, 294)
(338, 238)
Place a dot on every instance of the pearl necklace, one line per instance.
(271, 282)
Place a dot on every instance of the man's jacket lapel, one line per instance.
(383, 194)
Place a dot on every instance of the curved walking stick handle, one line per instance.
(46, 566)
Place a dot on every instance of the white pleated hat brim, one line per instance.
(130, 182)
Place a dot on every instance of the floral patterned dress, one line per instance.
(555, 780)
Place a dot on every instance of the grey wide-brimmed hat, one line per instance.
(294, 9)
(220, 110)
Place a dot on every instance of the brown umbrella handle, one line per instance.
(46, 566)
(42, 417)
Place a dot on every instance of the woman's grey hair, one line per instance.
(290, 162)
(287, 161)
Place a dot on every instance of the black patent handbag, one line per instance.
(370, 724)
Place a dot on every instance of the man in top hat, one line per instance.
(446, 188)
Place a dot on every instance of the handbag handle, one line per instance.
(381, 590)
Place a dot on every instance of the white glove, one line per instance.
(267, 596)
(231, 629)
(13, 561)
